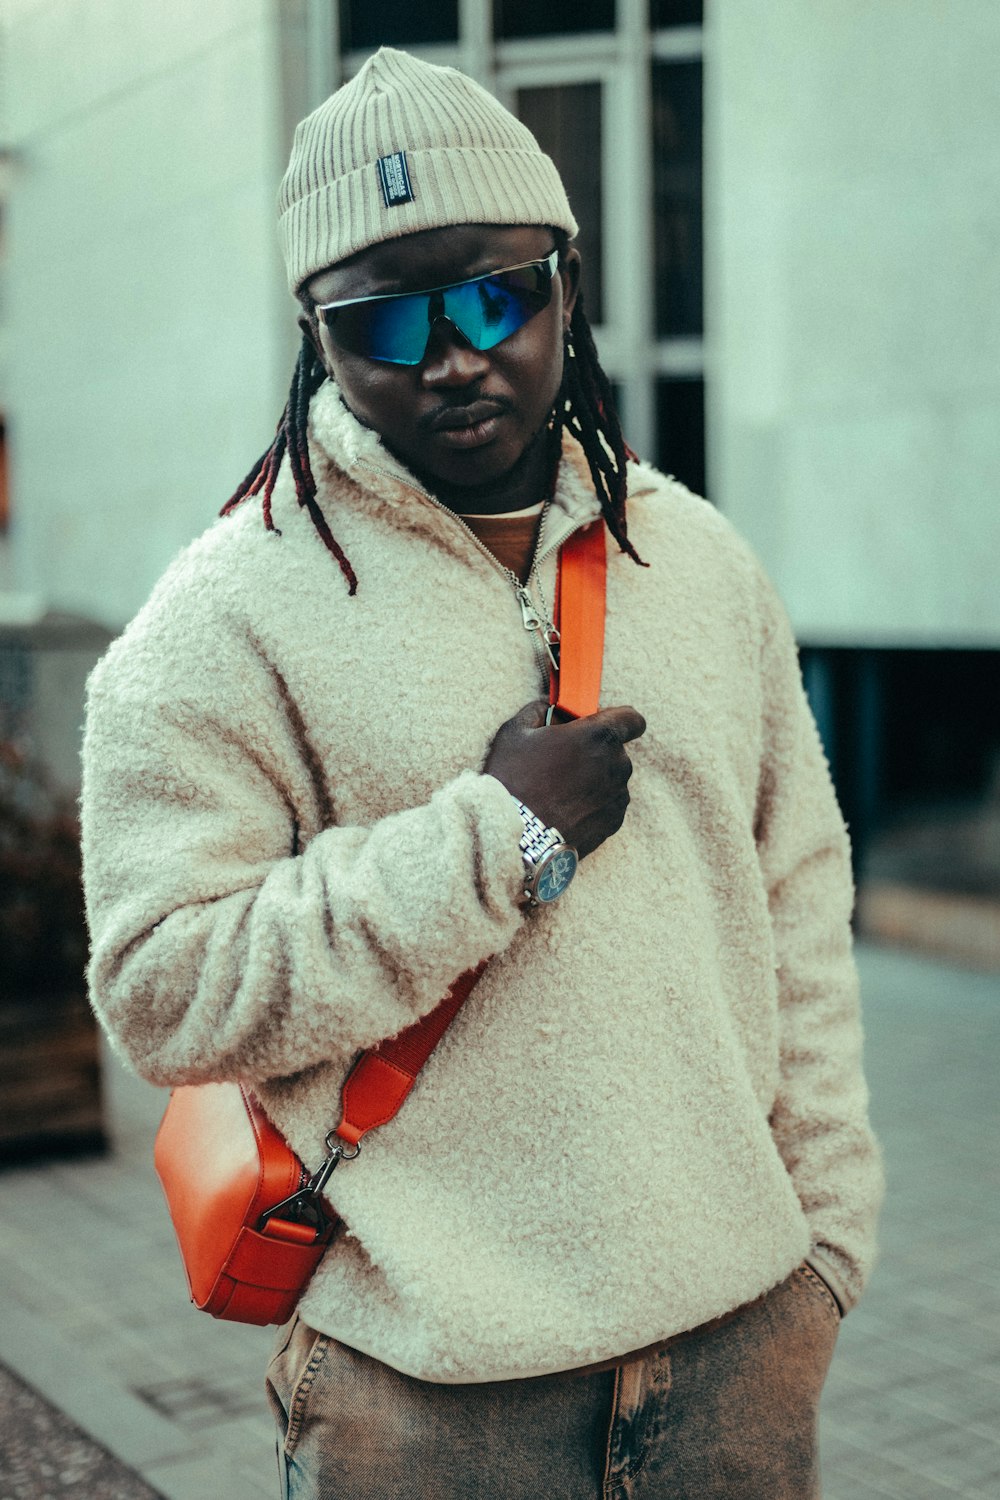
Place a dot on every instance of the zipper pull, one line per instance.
(529, 611)
(533, 620)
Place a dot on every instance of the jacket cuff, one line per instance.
(500, 830)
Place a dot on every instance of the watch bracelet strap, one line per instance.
(536, 839)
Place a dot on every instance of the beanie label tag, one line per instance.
(394, 179)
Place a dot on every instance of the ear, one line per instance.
(569, 274)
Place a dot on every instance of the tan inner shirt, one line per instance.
(511, 537)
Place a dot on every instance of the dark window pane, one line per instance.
(566, 121)
(512, 18)
(680, 423)
(396, 23)
(677, 197)
(675, 13)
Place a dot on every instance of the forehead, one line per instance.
(433, 257)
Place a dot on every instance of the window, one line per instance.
(396, 23)
(516, 18)
(680, 427)
(566, 121)
(677, 197)
(675, 13)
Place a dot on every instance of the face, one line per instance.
(469, 423)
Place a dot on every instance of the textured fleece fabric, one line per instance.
(652, 1106)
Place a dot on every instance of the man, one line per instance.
(605, 1246)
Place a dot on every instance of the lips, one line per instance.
(465, 427)
(462, 418)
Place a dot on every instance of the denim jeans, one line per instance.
(725, 1412)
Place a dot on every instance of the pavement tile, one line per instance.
(215, 1477)
(955, 1456)
(989, 1376)
(78, 1386)
(941, 1459)
(980, 1410)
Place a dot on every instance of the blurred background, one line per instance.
(791, 236)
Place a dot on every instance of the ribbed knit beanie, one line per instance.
(406, 146)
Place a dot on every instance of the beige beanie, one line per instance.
(406, 146)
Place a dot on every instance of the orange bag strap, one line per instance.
(581, 589)
(378, 1084)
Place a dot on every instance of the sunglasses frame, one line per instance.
(550, 262)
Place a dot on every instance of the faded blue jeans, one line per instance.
(725, 1412)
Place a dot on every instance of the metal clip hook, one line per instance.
(304, 1206)
(550, 640)
(326, 1169)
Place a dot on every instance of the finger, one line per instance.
(532, 715)
(625, 722)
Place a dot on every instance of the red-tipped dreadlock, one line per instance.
(585, 407)
(292, 438)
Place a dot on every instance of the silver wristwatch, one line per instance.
(549, 862)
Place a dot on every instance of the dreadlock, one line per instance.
(292, 437)
(585, 407)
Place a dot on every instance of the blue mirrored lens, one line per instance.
(490, 310)
(383, 330)
(485, 310)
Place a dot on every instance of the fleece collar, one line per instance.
(359, 453)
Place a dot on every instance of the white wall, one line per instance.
(854, 299)
(148, 344)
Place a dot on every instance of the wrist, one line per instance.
(549, 861)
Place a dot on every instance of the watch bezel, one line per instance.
(542, 868)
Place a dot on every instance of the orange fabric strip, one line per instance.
(580, 611)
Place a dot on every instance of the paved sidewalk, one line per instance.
(44, 1456)
(95, 1317)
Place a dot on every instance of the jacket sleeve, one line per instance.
(819, 1118)
(219, 948)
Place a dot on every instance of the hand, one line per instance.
(574, 776)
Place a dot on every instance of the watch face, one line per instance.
(558, 870)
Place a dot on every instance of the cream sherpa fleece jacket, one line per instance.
(652, 1106)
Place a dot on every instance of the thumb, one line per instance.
(532, 715)
(626, 723)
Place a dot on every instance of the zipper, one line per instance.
(537, 621)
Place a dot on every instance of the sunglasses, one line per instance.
(485, 310)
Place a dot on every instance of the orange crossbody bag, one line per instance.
(250, 1219)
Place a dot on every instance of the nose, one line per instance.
(449, 359)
